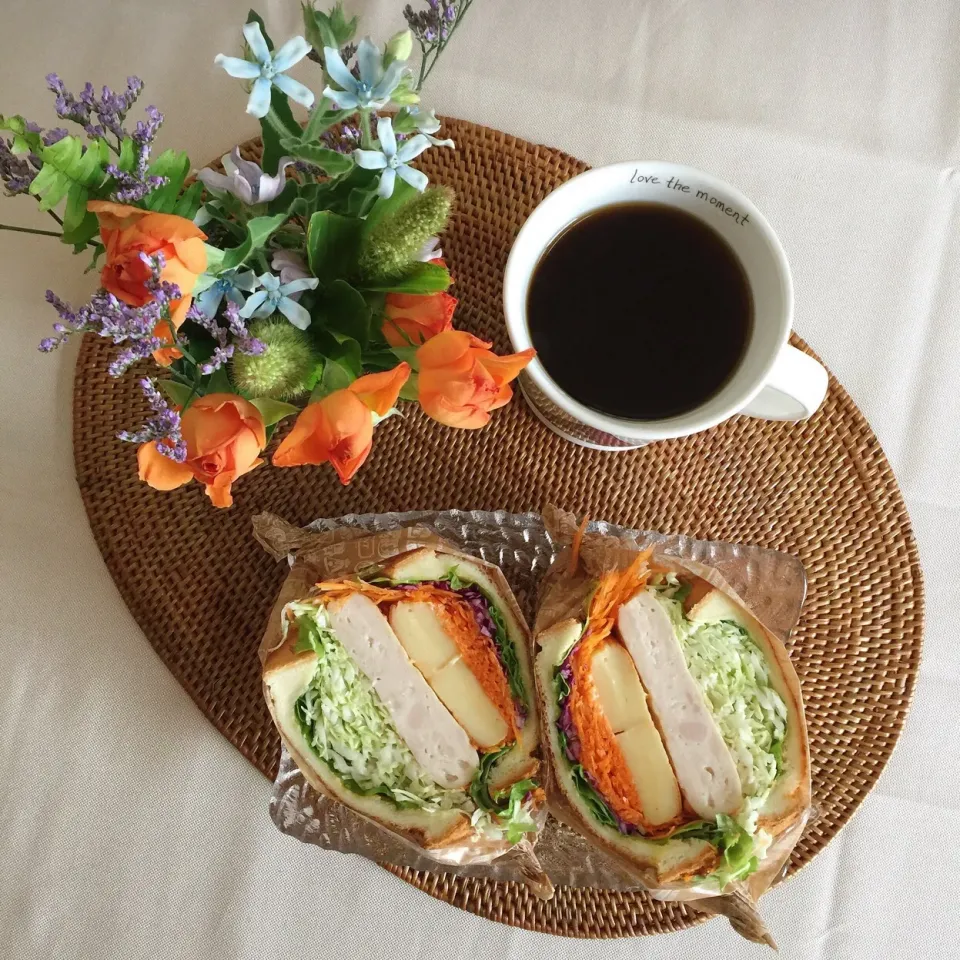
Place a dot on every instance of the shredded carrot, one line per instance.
(575, 546)
(599, 751)
(478, 652)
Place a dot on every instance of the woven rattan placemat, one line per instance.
(201, 588)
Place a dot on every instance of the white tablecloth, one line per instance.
(128, 826)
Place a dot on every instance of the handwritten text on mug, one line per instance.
(674, 184)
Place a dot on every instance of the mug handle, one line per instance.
(794, 390)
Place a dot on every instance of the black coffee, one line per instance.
(640, 311)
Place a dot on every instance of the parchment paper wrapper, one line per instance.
(772, 584)
(563, 594)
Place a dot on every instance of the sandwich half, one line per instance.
(408, 696)
(675, 727)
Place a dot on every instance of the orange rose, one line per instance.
(413, 318)
(126, 233)
(462, 380)
(224, 435)
(339, 428)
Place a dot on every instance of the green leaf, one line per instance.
(359, 202)
(177, 393)
(174, 165)
(273, 411)
(336, 375)
(66, 163)
(422, 278)
(333, 164)
(384, 206)
(406, 354)
(277, 125)
(126, 160)
(321, 119)
(341, 309)
(259, 231)
(214, 260)
(219, 382)
(24, 140)
(410, 390)
(327, 30)
(285, 199)
(78, 225)
(332, 244)
(190, 201)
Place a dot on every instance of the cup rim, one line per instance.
(683, 424)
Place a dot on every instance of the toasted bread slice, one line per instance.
(425, 563)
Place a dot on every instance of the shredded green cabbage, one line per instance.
(350, 729)
(733, 674)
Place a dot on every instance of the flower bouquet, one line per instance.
(310, 284)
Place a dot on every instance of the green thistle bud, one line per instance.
(393, 243)
(399, 47)
(284, 370)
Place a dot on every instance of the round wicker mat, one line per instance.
(201, 588)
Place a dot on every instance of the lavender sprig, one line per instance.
(432, 28)
(164, 426)
(119, 322)
(236, 328)
(346, 140)
(16, 172)
(109, 110)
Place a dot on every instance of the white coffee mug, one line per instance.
(773, 381)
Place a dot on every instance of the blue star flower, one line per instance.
(230, 284)
(276, 296)
(393, 162)
(373, 89)
(269, 70)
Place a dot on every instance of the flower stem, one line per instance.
(179, 344)
(366, 138)
(55, 217)
(39, 233)
(442, 45)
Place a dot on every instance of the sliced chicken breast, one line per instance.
(438, 742)
(704, 767)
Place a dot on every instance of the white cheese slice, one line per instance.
(419, 630)
(624, 703)
(466, 699)
(652, 774)
(703, 764)
(618, 687)
(438, 742)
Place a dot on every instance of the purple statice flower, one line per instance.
(97, 115)
(344, 140)
(224, 349)
(54, 136)
(163, 427)
(119, 322)
(135, 185)
(16, 173)
(433, 24)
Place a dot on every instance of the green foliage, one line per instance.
(341, 309)
(273, 411)
(67, 164)
(174, 165)
(279, 124)
(332, 244)
(392, 243)
(177, 393)
(190, 201)
(331, 29)
(284, 371)
(332, 163)
(420, 278)
(259, 231)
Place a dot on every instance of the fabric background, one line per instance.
(128, 826)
